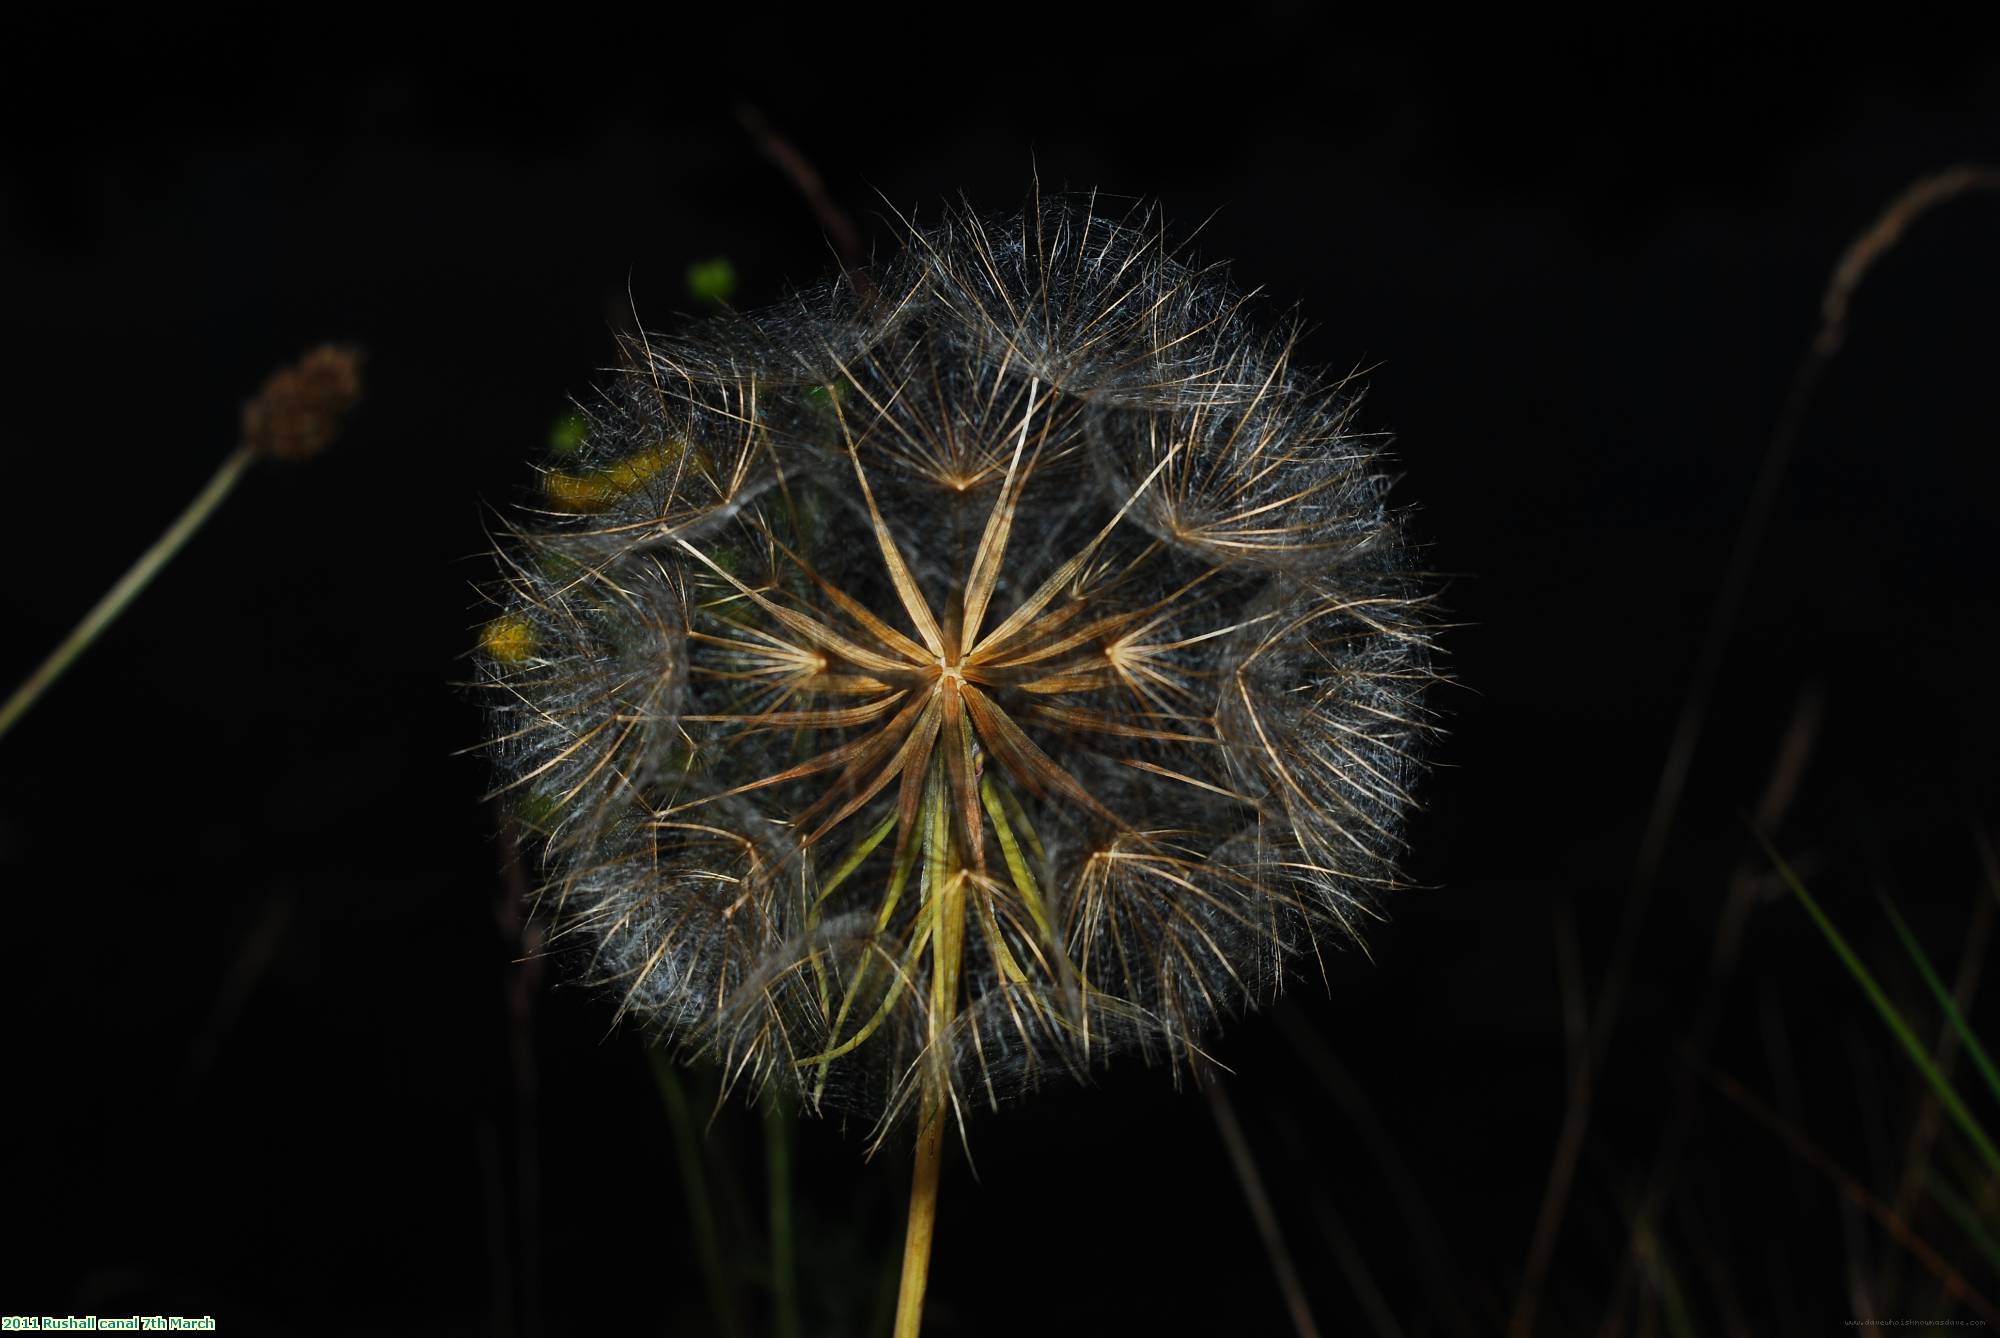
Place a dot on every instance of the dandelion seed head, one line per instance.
(964, 675)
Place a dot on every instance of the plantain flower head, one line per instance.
(972, 670)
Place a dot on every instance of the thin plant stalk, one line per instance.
(1261, 1211)
(1945, 1001)
(943, 887)
(694, 1184)
(923, 1222)
(294, 416)
(1965, 1214)
(1954, 1284)
(1860, 256)
(1946, 1094)
(128, 587)
(1918, 1156)
(778, 1168)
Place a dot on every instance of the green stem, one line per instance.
(694, 1184)
(778, 1171)
(943, 888)
(128, 587)
(1945, 1001)
(1919, 1055)
(923, 1220)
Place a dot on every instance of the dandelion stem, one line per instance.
(128, 587)
(944, 893)
(923, 1220)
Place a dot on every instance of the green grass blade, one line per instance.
(1947, 1097)
(1945, 1001)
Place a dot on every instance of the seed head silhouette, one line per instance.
(975, 669)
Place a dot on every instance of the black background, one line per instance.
(270, 1056)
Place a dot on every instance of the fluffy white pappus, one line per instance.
(965, 673)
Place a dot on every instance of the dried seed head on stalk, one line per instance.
(297, 413)
(961, 677)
